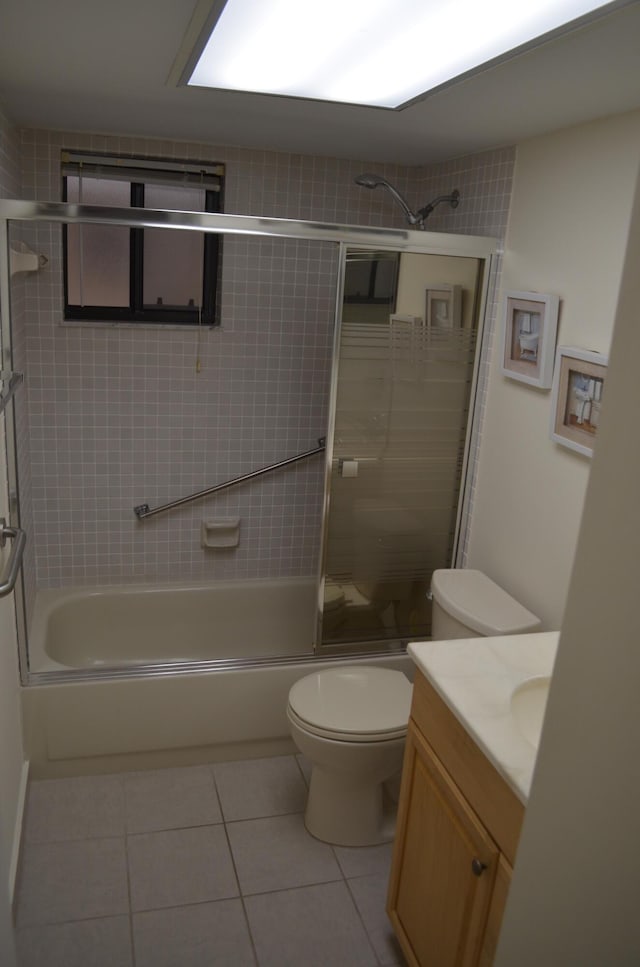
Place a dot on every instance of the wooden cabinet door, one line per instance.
(496, 911)
(443, 869)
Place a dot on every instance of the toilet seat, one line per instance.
(352, 704)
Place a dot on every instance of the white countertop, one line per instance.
(476, 677)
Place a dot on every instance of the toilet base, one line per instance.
(347, 812)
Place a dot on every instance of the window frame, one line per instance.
(207, 314)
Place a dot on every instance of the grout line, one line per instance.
(361, 918)
(131, 934)
(235, 871)
(241, 896)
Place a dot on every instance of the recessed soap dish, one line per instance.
(220, 532)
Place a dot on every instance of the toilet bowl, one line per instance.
(351, 723)
(468, 604)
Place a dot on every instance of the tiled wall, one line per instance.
(119, 416)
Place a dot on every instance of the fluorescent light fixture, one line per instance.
(381, 53)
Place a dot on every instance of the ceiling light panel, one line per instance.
(381, 53)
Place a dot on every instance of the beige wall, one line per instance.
(567, 235)
(574, 898)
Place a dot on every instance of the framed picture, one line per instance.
(577, 398)
(529, 337)
(443, 306)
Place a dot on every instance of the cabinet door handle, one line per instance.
(478, 867)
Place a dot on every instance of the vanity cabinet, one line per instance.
(457, 834)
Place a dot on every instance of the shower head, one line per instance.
(371, 181)
(368, 180)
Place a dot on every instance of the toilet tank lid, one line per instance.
(475, 600)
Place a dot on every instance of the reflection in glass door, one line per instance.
(404, 379)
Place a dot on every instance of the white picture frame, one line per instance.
(578, 387)
(529, 329)
(443, 306)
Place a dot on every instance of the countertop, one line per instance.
(476, 677)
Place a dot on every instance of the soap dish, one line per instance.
(220, 532)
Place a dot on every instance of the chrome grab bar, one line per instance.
(19, 538)
(142, 511)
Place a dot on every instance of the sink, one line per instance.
(528, 704)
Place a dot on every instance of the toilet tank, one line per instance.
(468, 604)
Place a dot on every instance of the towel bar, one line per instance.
(142, 511)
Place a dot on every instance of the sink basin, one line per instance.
(528, 704)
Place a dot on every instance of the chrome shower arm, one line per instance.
(412, 217)
(418, 218)
(454, 200)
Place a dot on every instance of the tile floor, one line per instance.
(208, 866)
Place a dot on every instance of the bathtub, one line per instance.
(142, 677)
(125, 627)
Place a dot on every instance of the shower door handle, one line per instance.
(19, 538)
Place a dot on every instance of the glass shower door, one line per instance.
(404, 379)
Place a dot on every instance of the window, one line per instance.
(371, 277)
(118, 274)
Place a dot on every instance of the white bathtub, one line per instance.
(121, 627)
(117, 684)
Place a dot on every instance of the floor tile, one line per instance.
(206, 935)
(364, 860)
(180, 866)
(170, 799)
(72, 881)
(260, 787)
(80, 808)
(278, 853)
(314, 926)
(305, 766)
(370, 895)
(86, 943)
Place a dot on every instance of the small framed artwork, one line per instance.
(529, 337)
(578, 385)
(443, 306)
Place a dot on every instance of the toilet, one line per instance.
(468, 604)
(351, 723)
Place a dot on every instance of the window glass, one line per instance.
(98, 256)
(173, 260)
(138, 274)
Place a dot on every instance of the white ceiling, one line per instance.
(85, 65)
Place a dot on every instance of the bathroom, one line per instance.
(529, 492)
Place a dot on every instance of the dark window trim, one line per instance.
(136, 312)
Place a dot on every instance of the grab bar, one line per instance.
(143, 511)
(15, 559)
